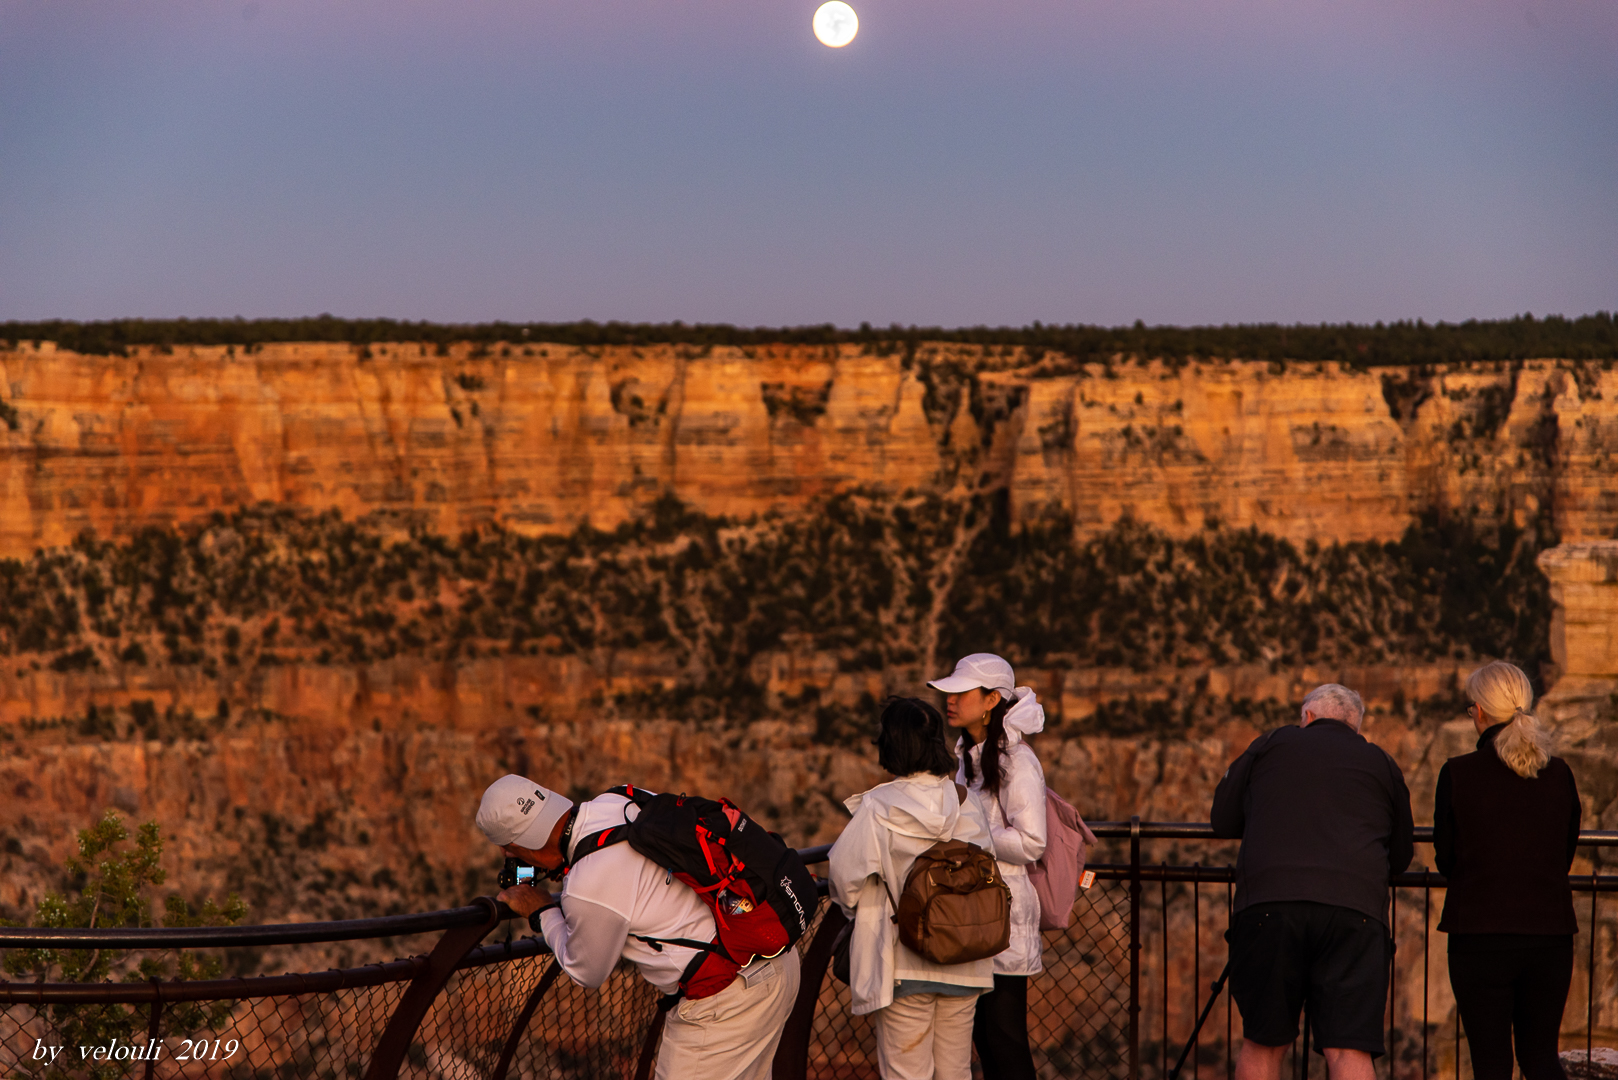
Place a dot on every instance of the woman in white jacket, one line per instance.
(922, 1011)
(983, 700)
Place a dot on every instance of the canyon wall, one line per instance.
(330, 771)
(542, 438)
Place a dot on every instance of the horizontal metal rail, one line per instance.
(205, 937)
(313, 982)
(210, 937)
(816, 854)
(1211, 875)
(131, 993)
(1201, 830)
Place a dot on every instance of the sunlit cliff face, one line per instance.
(543, 438)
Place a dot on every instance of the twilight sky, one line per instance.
(1177, 161)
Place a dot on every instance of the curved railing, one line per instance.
(467, 1011)
(210, 937)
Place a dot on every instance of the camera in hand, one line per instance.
(517, 872)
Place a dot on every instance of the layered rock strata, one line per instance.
(1584, 620)
(543, 438)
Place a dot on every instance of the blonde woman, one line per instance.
(993, 714)
(1505, 827)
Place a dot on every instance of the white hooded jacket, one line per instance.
(1018, 829)
(892, 824)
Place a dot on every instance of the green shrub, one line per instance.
(112, 885)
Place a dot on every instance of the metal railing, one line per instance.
(1119, 995)
(1411, 1053)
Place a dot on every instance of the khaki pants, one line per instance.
(733, 1034)
(925, 1037)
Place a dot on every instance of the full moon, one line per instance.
(836, 24)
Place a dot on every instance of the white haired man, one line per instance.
(1324, 819)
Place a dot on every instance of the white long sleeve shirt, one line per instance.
(1017, 813)
(1017, 828)
(613, 894)
(893, 823)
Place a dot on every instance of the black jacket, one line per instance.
(1506, 844)
(1322, 814)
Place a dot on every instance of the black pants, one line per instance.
(1504, 986)
(1000, 1030)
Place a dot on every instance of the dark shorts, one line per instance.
(1335, 960)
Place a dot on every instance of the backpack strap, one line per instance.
(605, 838)
(894, 918)
(638, 796)
(595, 842)
(688, 943)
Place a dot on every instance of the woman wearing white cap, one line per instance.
(993, 713)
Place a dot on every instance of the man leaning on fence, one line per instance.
(619, 904)
(1324, 818)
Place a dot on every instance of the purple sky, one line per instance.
(1178, 161)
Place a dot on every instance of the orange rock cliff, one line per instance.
(542, 438)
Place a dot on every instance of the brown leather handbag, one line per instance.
(956, 906)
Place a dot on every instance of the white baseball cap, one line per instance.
(983, 669)
(515, 810)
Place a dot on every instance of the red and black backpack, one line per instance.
(760, 895)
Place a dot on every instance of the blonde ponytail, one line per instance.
(1505, 695)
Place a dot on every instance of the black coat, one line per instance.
(1323, 816)
(1505, 843)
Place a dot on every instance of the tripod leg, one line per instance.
(1219, 985)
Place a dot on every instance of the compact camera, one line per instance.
(517, 872)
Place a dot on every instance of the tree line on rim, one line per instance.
(1586, 337)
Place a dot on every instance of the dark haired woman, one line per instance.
(993, 714)
(922, 1011)
(1505, 827)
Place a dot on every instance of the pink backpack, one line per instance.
(1056, 875)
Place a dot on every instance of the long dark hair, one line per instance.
(994, 744)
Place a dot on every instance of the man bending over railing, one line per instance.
(1324, 818)
(618, 903)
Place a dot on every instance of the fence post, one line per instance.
(654, 1037)
(423, 991)
(792, 1054)
(1590, 995)
(1134, 947)
(153, 1027)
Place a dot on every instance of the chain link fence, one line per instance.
(1078, 1021)
(327, 1035)
(503, 1012)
